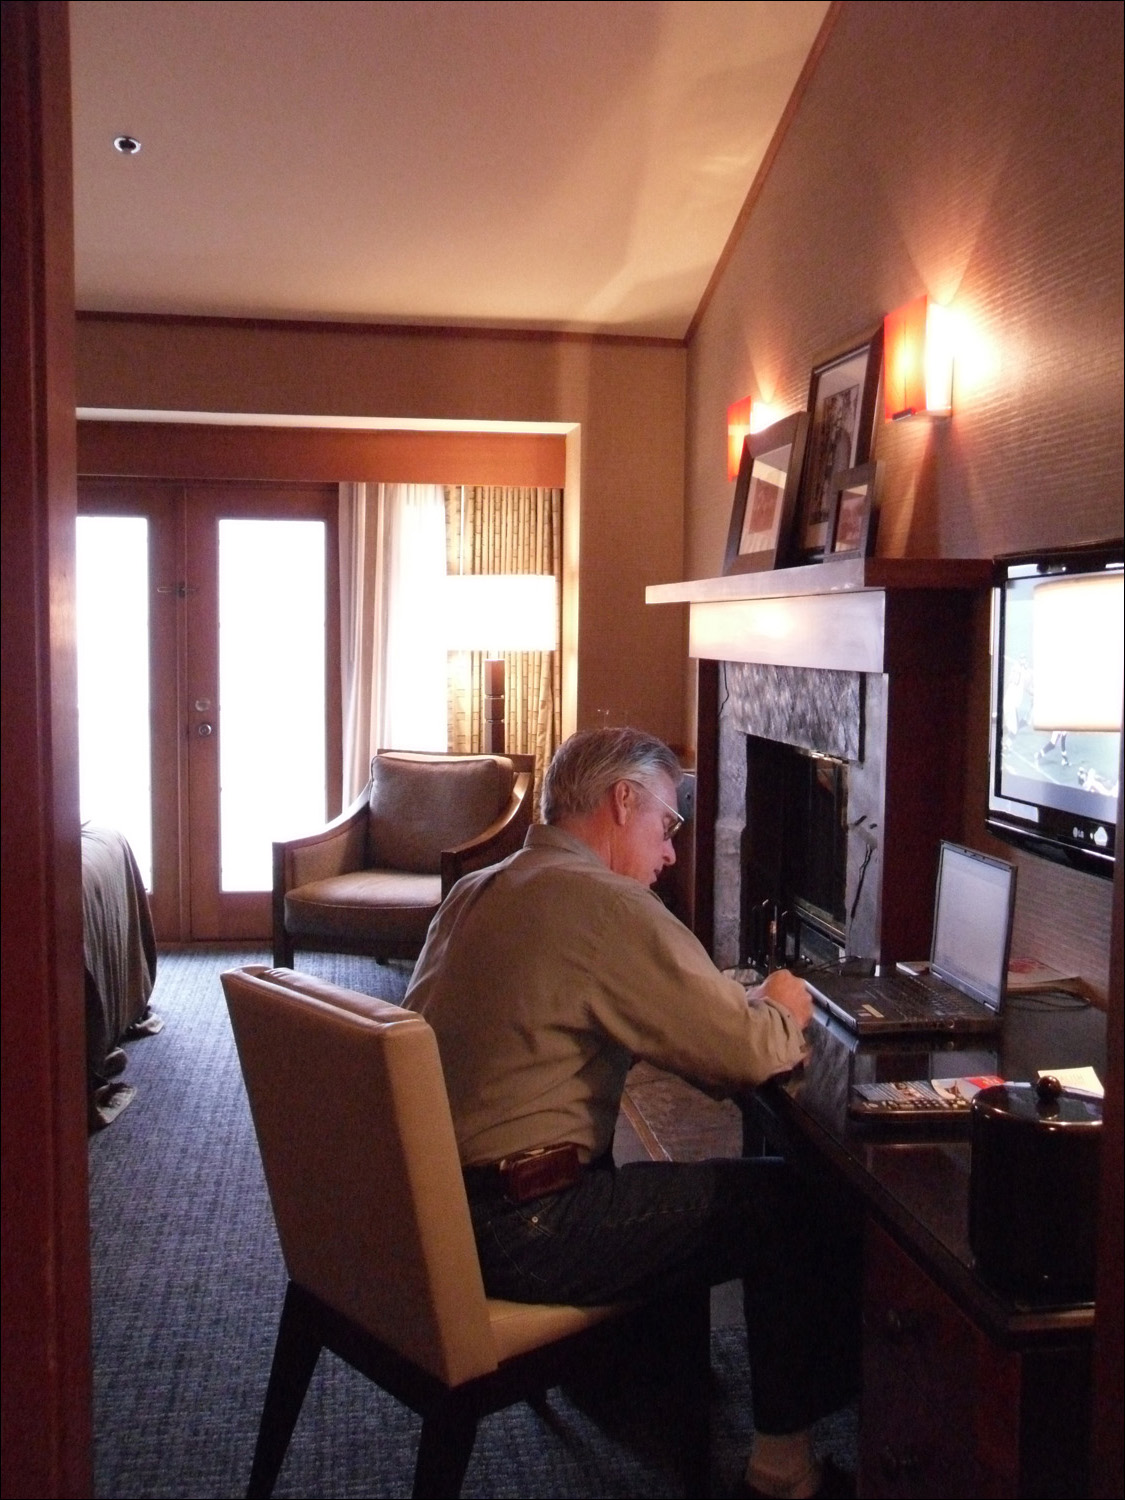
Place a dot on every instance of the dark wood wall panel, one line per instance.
(191, 450)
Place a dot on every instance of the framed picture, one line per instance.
(855, 500)
(843, 399)
(765, 495)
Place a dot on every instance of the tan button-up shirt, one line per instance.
(546, 976)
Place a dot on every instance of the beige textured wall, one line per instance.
(628, 399)
(972, 151)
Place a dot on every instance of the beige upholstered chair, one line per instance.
(372, 880)
(357, 1143)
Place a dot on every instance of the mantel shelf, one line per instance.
(852, 615)
(845, 576)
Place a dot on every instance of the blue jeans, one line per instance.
(632, 1231)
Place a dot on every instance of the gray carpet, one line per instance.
(187, 1286)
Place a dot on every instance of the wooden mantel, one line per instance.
(836, 615)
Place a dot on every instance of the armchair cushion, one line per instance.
(379, 907)
(419, 806)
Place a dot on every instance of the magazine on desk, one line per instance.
(930, 1099)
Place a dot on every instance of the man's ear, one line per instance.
(621, 798)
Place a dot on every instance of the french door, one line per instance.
(208, 646)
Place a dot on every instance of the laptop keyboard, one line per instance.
(900, 998)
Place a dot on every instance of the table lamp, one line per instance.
(497, 612)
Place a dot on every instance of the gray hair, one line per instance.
(586, 765)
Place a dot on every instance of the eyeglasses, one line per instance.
(674, 822)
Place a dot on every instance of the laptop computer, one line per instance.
(961, 991)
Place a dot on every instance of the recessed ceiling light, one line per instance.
(128, 145)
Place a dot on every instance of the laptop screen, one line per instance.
(973, 922)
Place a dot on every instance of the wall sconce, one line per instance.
(918, 361)
(738, 428)
(497, 612)
(743, 418)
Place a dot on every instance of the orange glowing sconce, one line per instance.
(738, 428)
(917, 361)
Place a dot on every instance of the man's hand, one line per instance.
(790, 993)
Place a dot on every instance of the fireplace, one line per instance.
(830, 754)
(794, 857)
(798, 817)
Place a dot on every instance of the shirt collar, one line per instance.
(547, 836)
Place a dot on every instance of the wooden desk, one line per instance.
(966, 1392)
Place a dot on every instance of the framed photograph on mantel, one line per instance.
(843, 399)
(765, 495)
(855, 500)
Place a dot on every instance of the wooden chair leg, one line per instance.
(540, 1403)
(294, 1359)
(444, 1450)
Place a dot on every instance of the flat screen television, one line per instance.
(1056, 702)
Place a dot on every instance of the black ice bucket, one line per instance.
(1033, 1190)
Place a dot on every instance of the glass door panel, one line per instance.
(112, 622)
(261, 707)
(271, 692)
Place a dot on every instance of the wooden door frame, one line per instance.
(45, 1268)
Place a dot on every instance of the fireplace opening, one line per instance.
(793, 858)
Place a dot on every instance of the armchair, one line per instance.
(372, 880)
(352, 1117)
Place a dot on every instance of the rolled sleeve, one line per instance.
(662, 998)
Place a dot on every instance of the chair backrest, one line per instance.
(353, 1124)
(419, 805)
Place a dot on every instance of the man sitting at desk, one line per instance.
(544, 978)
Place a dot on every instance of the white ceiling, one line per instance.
(561, 164)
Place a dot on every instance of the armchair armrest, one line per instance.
(500, 838)
(334, 850)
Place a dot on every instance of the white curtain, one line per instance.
(393, 655)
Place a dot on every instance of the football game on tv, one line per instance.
(1056, 703)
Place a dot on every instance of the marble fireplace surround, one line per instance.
(809, 708)
(865, 661)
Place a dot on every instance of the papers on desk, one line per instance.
(1083, 1081)
(1026, 976)
(965, 1088)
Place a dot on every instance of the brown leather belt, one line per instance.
(528, 1174)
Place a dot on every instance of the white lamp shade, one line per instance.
(501, 612)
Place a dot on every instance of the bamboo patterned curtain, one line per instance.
(504, 529)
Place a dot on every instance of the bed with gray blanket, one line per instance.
(120, 960)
